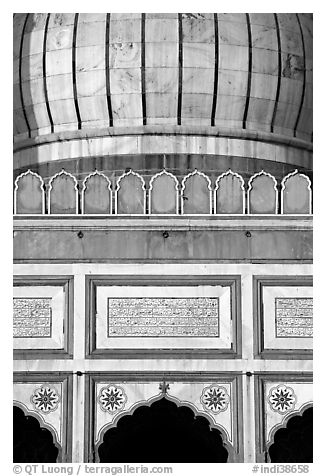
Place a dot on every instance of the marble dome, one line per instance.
(79, 72)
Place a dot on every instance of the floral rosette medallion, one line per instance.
(112, 398)
(215, 399)
(281, 399)
(45, 399)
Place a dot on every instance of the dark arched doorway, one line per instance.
(294, 444)
(162, 433)
(32, 443)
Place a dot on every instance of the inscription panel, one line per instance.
(32, 317)
(294, 317)
(170, 314)
(163, 317)
(285, 316)
(42, 307)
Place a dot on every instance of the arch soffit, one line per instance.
(143, 186)
(287, 177)
(225, 174)
(242, 185)
(24, 174)
(250, 182)
(261, 173)
(192, 174)
(126, 174)
(147, 403)
(151, 182)
(285, 421)
(63, 172)
(160, 174)
(93, 174)
(42, 423)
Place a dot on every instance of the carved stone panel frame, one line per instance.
(162, 381)
(301, 400)
(296, 348)
(62, 380)
(232, 284)
(37, 350)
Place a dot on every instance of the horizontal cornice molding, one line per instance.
(168, 222)
(166, 130)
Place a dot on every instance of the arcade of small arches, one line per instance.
(164, 194)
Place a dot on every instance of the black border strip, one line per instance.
(180, 69)
(74, 83)
(278, 88)
(245, 114)
(304, 78)
(215, 70)
(143, 70)
(107, 68)
(44, 73)
(20, 76)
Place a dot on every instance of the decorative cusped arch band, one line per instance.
(214, 397)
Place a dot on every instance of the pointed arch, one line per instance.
(42, 424)
(285, 421)
(284, 425)
(262, 195)
(298, 199)
(199, 199)
(63, 199)
(179, 403)
(163, 194)
(230, 198)
(33, 194)
(130, 194)
(96, 199)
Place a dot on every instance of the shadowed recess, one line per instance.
(294, 444)
(32, 443)
(163, 432)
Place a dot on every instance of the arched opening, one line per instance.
(162, 433)
(294, 443)
(32, 443)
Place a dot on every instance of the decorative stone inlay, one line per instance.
(294, 317)
(281, 399)
(32, 317)
(215, 398)
(45, 399)
(163, 317)
(112, 398)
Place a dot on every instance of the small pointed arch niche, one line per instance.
(63, 194)
(229, 197)
(164, 194)
(34, 441)
(29, 194)
(164, 429)
(130, 194)
(196, 194)
(262, 194)
(296, 194)
(292, 440)
(96, 195)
